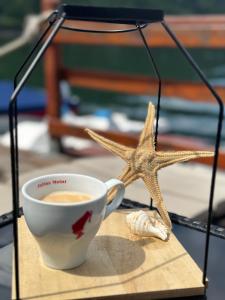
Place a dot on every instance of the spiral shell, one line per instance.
(140, 223)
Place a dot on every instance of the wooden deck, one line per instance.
(185, 187)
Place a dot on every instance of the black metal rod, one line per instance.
(103, 31)
(155, 68)
(13, 119)
(51, 22)
(15, 108)
(15, 136)
(14, 198)
(151, 204)
(156, 71)
(37, 58)
(14, 143)
(217, 143)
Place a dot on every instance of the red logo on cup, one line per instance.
(78, 226)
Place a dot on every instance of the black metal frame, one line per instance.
(139, 18)
(216, 230)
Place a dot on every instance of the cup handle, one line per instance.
(116, 201)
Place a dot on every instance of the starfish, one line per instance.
(144, 161)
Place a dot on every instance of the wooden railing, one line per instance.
(193, 31)
(139, 85)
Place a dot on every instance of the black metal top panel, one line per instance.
(117, 15)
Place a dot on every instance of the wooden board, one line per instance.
(119, 265)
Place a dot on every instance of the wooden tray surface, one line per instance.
(119, 265)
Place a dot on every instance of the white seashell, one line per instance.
(142, 224)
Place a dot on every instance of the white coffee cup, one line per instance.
(64, 231)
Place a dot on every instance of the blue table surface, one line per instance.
(191, 239)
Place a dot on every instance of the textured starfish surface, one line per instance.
(144, 161)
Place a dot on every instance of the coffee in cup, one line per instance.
(66, 197)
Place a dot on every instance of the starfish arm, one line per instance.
(165, 159)
(147, 134)
(152, 185)
(109, 145)
(126, 177)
